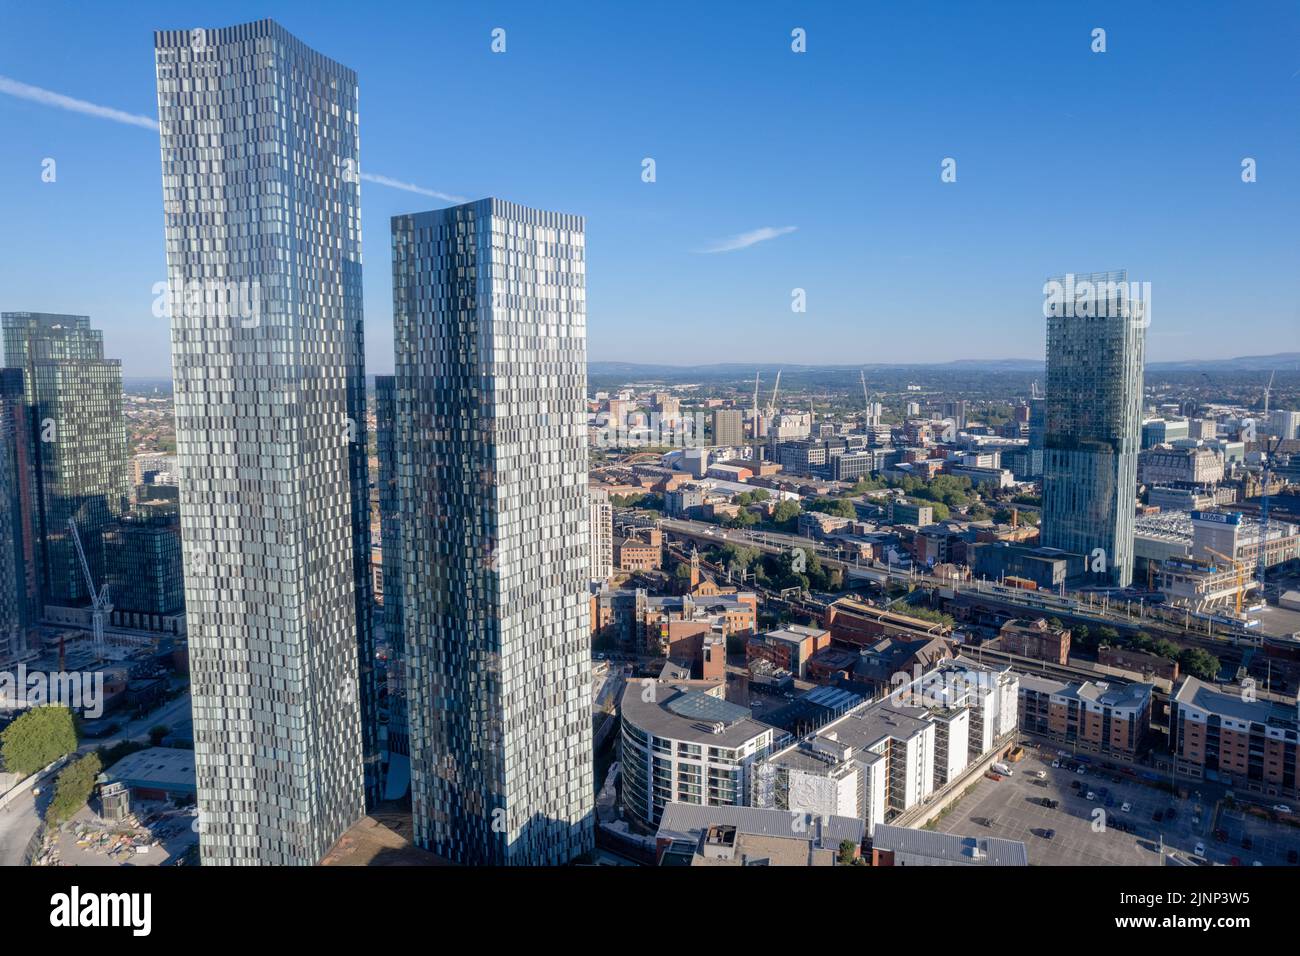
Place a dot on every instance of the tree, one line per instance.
(37, 738)
(1199, 663)
(840, 507)
(929, 614)
(786, 513)
(848, 853)
(742, 519)
(73, 788)
(157, 733)
(941, 512)
(737, 554)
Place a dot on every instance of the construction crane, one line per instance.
(1236, 565)
(100, 606)
(1268, 389)
(1271, 445)
(771, 406)
(866, 398)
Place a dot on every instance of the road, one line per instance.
(20, 820)
(168, 715)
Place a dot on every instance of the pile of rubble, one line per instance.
(119, 842)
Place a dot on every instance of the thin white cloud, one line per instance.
(35, 94)
(49, 98)
(746, 239)
(409, 187)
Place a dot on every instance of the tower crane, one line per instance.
(100, 605)
(1238, 566)
(771, 406)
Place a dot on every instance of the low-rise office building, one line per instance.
(1035, 639)
(638, 620)
(788, 647)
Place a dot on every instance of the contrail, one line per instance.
(35, 94)
(48, 98)
(409, 187)
(747, 239)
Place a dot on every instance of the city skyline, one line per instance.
(893, 227)
(515, 569)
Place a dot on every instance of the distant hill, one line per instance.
(1245, 363)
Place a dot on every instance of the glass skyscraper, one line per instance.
(261, 199)
(19, 595)
(391, 548)
(1092, 421)
(76, 443)
(490, 328)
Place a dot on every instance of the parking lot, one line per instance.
(1251, 838)
(1091, 833)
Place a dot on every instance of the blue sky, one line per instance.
(1066, 160)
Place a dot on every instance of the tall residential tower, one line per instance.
(261, 201)
(75, 444)
(490, 327)
(1092, 425)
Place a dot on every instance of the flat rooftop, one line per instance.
(156, 768)
(681, 712)
(949, 849)
(1194, 692)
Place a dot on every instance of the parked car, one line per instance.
(1281, 808)
(1126, 807)
(1091, 795)
(1200, 850)
(1042, 774)
(1056, 764)
(1158, 815)
(1049, 834)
